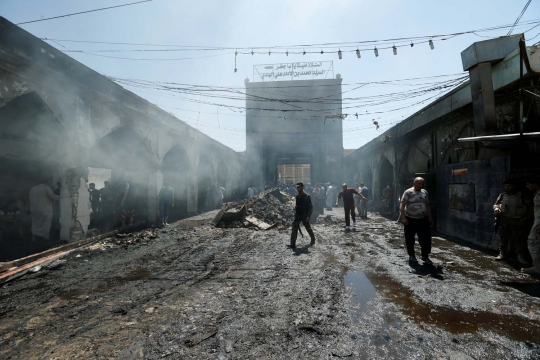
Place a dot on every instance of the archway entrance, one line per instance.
(386, 187)
(366, 177)
(206, 184)
(130, 160)
(33, 147)
(177, 170)
(224, 180)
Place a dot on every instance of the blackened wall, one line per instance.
(488, 177)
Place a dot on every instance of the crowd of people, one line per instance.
(517, 213)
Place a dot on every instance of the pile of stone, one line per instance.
(269, 209)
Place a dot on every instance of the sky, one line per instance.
(267, 23)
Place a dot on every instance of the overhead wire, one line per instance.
(83, 12)
(519, 17)
(300, 46)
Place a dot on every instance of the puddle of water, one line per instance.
(363, 290)
(367, 286)
(134, 275)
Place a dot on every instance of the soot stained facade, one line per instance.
(288, 122)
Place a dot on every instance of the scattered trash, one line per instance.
(149, 310)
(35, 269)
(78, 256)
(57, 264)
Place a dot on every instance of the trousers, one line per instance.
(512, 231)
(349, 212)
(164, 208)
(420, 227)
(362, 207)
(296, 225)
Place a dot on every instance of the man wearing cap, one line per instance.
(303, 211)
(533, 184)
(513, 209)
(348, 204)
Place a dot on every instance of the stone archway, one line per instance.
(224, 179)
(131, 161)
(177, 169)
(206, 184)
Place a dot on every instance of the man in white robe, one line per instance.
(330, 197)
(41, 197)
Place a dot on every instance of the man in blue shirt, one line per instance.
(166, 201)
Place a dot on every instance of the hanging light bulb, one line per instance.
(412, 44)
(358, 53)
(269, 52)
(251, 52)
(287, 52)
(376, 52)
(304, 52)
(339, 54)
(394, 49)
(322, 52)
(235, 70)
(431, 44)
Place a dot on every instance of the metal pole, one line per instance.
(522, 50)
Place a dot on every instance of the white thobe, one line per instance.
(41, 209)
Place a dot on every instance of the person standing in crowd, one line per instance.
(303, 211)
(513, 210)
(389, 196)
(128, 203)
(357, 199)
(348, 204)
(416, 216)
(533, 184)
(322, 196)
(330, 196)
(94, 198)
(166, 201)
(363, 202)
(41, 197)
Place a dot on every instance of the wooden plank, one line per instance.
(73, 245)
(20, 271)
(259, 223)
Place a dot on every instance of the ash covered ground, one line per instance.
(236, 293)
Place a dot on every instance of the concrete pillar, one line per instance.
(155, 182)
(74, 205)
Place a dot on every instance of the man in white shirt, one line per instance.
(416, 216)
(41, 197)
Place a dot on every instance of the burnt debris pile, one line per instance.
(269, 209)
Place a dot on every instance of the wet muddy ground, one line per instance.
(208, 293)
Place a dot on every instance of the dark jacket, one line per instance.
(303, 204)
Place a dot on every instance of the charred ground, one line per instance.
(205, 292)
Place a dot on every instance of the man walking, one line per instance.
(303, 211)
(513, 210)
(533, 184)
(416, 216)
(348, 204)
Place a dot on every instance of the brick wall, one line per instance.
(475, 227)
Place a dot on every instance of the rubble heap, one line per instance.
(269, 209)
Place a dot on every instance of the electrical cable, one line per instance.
(425, 38)
(519, 17)
(83, 12)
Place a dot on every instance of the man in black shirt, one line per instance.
(304, 209)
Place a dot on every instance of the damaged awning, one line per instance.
(506, 137)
